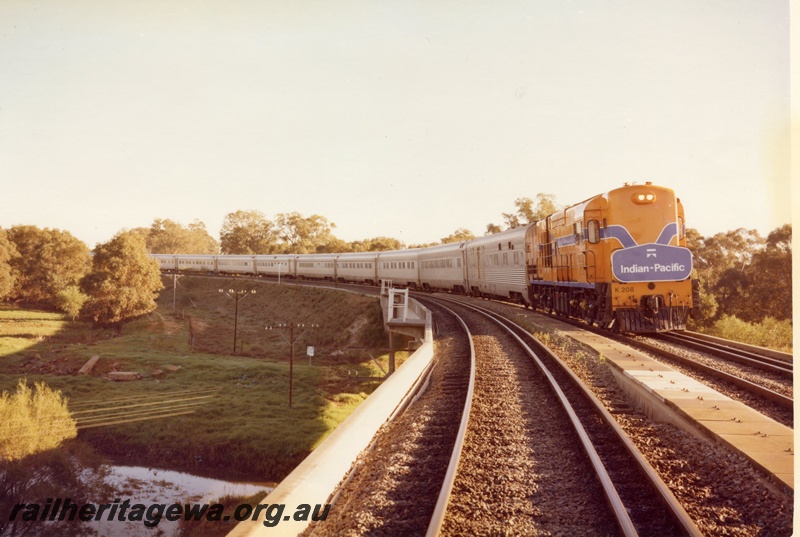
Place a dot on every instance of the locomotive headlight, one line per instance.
(643, 197)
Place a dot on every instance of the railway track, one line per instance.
(764, 383)
(393, 487)
(768, 392)
(721, 491)
(527, 472)
(732, 353)
(391, 491)
(752, 386)
(635, 498)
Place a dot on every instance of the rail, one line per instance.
(728, 352)
(675, 508)
(447, 487)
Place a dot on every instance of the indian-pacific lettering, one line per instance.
(634, 269)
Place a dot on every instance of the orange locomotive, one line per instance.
(618, 260)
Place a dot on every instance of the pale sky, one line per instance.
(401, 118)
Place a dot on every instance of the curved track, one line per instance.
(394, 485)
(639, 500)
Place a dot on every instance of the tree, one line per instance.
(49, 260)
(459, 235)
(169, 237)
(724, 251)
(300, 235)
(529, 211)
(743, 275)
(770, 278)
(7, 252)
(124, 281)
(377, 244)
(334, 246)
(491, 229)
(247, 232)
(201, 240)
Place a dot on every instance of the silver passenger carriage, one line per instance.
(196, 262)
(496, 265)
(444, 267)
(360, 267)
(400, 266)
(278, 266)
(236, 264)
(317, 266)
(166, 261)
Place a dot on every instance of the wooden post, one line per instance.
(391, 352)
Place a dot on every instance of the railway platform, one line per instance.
(668, 395)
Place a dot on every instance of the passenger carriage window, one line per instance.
(594, 232)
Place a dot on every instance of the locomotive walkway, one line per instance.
(668, 395)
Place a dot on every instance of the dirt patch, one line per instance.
(166, 324)
(199, 325)
(355, 329)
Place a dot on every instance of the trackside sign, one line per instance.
(651, 263)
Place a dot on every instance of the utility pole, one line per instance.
(291, 340)
(175, 277)
(236, 296)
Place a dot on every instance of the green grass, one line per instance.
(248, 429)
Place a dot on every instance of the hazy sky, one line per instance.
(401, 118)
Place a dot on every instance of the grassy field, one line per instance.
(247, 428)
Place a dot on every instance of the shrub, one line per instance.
(770, 332)
(32, 421)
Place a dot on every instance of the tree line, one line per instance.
(251, 233)
(744, 279)
(745, 285)
(52, 268)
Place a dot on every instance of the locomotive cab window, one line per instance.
(594, 231)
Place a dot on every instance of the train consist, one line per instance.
(618, 260)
